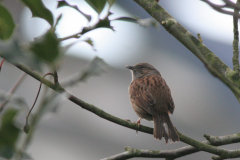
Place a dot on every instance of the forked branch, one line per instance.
(215, 65)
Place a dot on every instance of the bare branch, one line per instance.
(86, 105)
(177, 153)
(218, 8)
(223, 153)
(235, 58)
(232, 5)
(132, 152)
(215, 65)
(221, 8)
(222, 140)
(202, 146)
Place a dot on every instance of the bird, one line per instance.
(151, 99)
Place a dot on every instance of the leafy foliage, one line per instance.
(97, 5)
(8, 134)
(46, 47)
(90, 42)
(39, 10)
(104, 23)
(65, 4)
(111, 2)
(6, 23)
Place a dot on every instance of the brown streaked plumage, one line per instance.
(151, 99)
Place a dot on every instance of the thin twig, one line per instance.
(26, 127)
(85, 30)
(14, 88)
(55, 76)
(1, 64)
(230, 4)
(220, 8)
(76, 35)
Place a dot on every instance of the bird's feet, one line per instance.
(138, 123)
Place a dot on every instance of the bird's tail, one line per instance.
(163, 127)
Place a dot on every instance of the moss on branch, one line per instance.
(213, 63)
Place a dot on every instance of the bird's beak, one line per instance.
(130, 67)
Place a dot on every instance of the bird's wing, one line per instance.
(159, 88)
(169, 99)
(141, 96)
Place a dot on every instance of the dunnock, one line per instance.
(151, 99)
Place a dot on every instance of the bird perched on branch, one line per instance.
(151, 99)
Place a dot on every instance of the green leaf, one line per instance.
(104, 23)
(111, 2)
(65, 4)
(90, 42)
(39, 10)
(12, 52)
(97, 5)
(57, 21)
(6, 24)
(46, 47)
(8, 134)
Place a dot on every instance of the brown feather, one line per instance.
(151, 99)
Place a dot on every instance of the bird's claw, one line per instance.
(138, 123)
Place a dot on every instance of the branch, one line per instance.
(235, 58)
(27, 126)
(215, 65)
(222, 140)
(212, 62)
(232, 5)
(223, 153)
(86, 105)
(177, 153)
(87, 29)
(220, 8)
(132, 152)
(134, 126)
